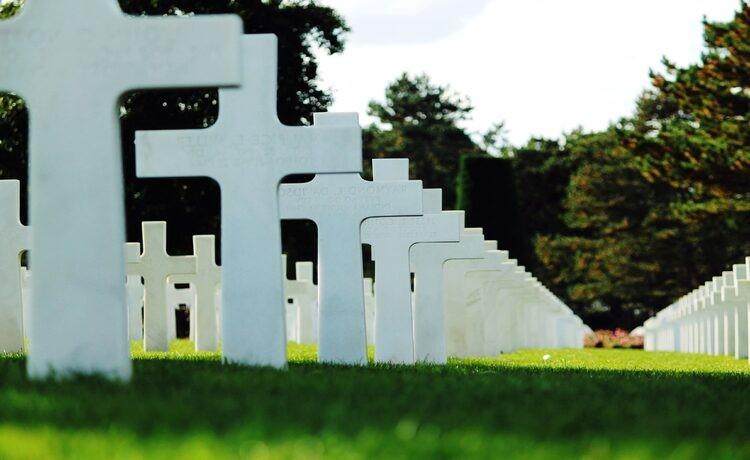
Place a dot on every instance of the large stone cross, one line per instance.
(391, 239)
(155, 266)
(71, 61)
(14, 239)
(427, 264)
(338, 204)
(248, 152)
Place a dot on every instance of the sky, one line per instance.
(542, 66)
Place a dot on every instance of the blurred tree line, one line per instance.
(619, 223)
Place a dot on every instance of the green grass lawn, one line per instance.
(594, 404)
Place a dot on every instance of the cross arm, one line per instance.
(333, 143)
(175, 153)
(181, 265)
(174, 52)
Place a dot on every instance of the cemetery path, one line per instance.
(575, 403)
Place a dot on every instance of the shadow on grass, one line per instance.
(202, 395)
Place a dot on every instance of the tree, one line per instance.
(658, 203)
(486, 191)
(420, 120)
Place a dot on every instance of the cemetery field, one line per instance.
(576, 403)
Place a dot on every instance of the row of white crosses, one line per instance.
(86, 54)
(712, 319)
(494, 305)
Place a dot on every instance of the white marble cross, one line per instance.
(84, 55)
(727, 315)
(71, 61)
(307, 305)
(135, 291)
(338, 204)
(206, 281)
(427, 264)
(741, 306)
(14, 239)
(369, 310)
(454, 279)
(293, 291)
(155, 266)
(26, 298)
(248, 151)
(391, 239)
(481, 310)
(201, 297)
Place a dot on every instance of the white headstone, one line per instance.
(427, 262)
(26, 298)
(369, 310)
(135, 291)
(206, 282)
(391, 239)
(307, 310)
(71, 61)
(454, 299)
(728, 292)
(14, 239)
(741, 313)
(338, 204)
(248, 151)
(155, 266)
(481, 308)
(201, 297)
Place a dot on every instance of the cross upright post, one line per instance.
(307, 313)
(248, 152)
(71, 61)
(15, 240)
(338, 204)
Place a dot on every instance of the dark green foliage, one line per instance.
(419, 120)
(486, 190)
(656, 204)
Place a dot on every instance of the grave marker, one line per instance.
(481, 311)
(369, 310)
(14, 239)
(248, 151)
(338, 204)
(202, 297)
(307, 319)
(71, 61)
(391, 239)
(155, 266)
(427, 263)
(454, 300)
